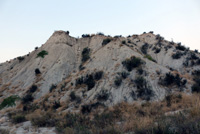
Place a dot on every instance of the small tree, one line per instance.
(42, 54)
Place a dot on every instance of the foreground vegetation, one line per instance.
(177, 114)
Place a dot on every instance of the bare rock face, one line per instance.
(63, 69)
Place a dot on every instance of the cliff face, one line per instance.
(64, 70)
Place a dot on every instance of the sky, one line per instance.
(25, 24)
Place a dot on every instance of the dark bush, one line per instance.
(103, 95)
(86, 109)
(33, 89)
(72, 96)
(123, 42)
(20, 58)
(180, 47)
(133, 95)
(144, 48)
(80, 81)
(28, 98)
(85, 54)
(42, 53)
(118, 81)
(53, 86)
(144, 91)
(170, 79)
(56, 105)
(106, 41)
(98, 75)
(193, 56)
(131, 63)
(89, 81)
(157, 50)
(100, 33)
(81, 67)
(140, 71)
(196, 88)
(117, 36)
(36, 48)
(124, 74)
(37, 71)
(18, 118)
(85, 35)
(177, 55)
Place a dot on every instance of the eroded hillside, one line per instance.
(70, 74)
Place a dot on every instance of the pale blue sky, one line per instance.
(25, 24)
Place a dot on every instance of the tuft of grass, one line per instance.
(150, 58)
(9, 102)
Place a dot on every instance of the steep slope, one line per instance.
(64, 59)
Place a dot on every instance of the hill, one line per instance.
(93, 73)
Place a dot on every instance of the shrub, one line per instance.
(150, 58)
(118, 81)
(103, 95)
(85, 54)
(144, 48)
(28, 98)
(4, 131)
(81, 67)
(100, 33)
(53, 86)
(143, 89)
(86, 109)
(56, 105)
(106, 41)
(33, 89)
(85, 35)
(9, 102)
(89, 80)
(20, 58)
(140, 71)
(123, 42)
(157, 50)
(170, 79)
(44, 120)
(177, 55)
(98, 75)
(104, 119)
(36, 48)
(80, 81)
(18, 118)
(133, 95)
(124, 74)
(72, 96)
(180, 47)
(37, 71)
(42, 53)
(196, 88)
(193, 56)
(131, 63)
